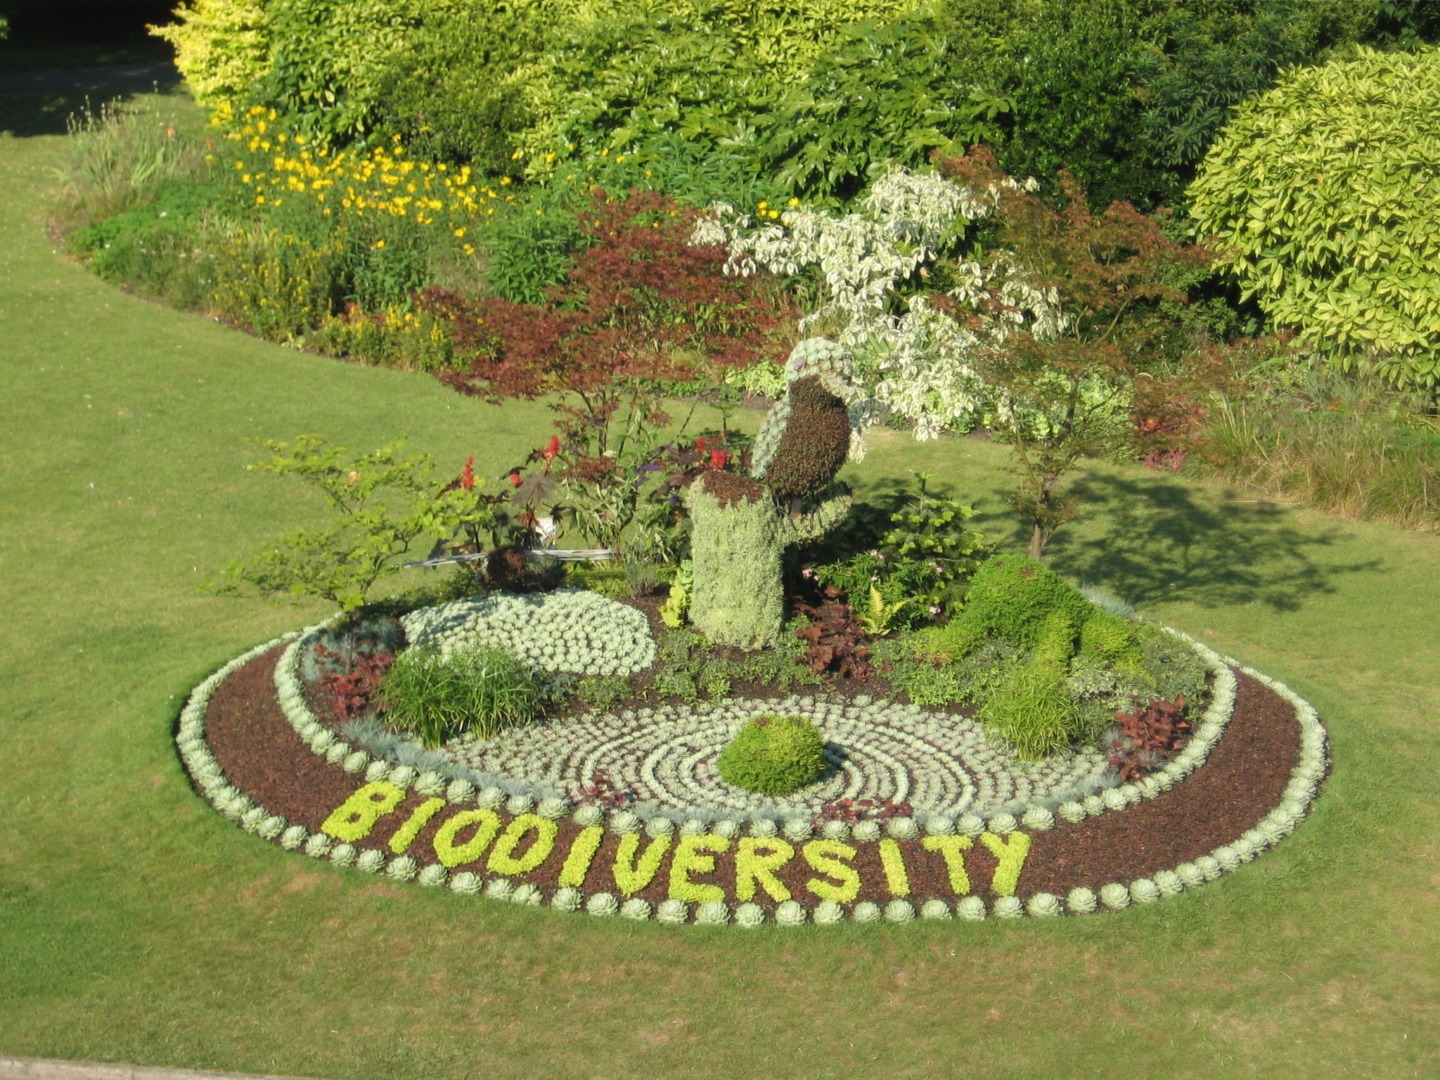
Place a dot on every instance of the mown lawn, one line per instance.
(136, 925)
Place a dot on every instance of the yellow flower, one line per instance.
(504, 180)
(794, 201)
(515, 156)
(459, 232)
(379, 243)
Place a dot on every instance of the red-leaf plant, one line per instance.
(351, 691)
(603, 791)
(641, 313)
(836, 638)
(1148, 736)
(852, 811)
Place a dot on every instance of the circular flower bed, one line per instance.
(511, 818)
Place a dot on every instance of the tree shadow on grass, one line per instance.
(1163, 544)
(40, 102)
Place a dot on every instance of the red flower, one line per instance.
(467, 475)
(719, 459)
(552, 448)
(515, 478)
(700, 445)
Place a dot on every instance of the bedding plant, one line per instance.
(566, 748)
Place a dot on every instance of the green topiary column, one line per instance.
(738, 535)
(735, 548)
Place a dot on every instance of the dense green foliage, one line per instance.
(1012, 597)
(774, 755)
(476, 690)
(915, 548)
(816, 94)
(1323, 198)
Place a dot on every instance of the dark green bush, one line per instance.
(1171, 665)
(603, 692)
(531, 246)
(914, 546)
(774, 755)
(480, 690)
(883, 93)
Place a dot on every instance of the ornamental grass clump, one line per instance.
(1034, 712)
(480, 690)
(774, 755)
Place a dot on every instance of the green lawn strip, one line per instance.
(140, 926)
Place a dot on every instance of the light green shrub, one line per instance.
(1110, 639)
(1323, 199)
(1055, 643)
(1034, 711)
(774, 755)
(1012, 597)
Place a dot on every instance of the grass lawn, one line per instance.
(137, 925)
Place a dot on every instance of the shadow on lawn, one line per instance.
(38, 102)
(1163, 544)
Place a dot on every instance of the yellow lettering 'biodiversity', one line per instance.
(529, 841)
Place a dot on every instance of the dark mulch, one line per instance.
(1242, 780)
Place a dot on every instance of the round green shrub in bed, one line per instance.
(774, 755)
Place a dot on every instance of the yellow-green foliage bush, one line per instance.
(1014, 598)
(222, 47)
(1323, 199)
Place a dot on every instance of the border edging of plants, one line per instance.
(1305, 779)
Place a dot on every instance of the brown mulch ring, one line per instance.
(1242, 780)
